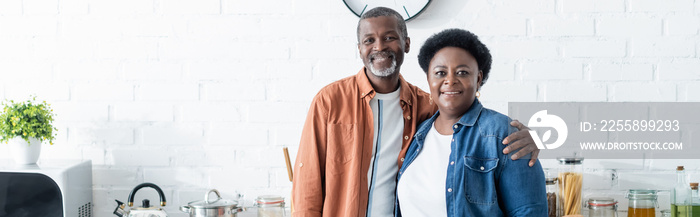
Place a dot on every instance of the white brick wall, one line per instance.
(679, 71)
(644, 92)
(552, 71)
(555, 26)
(673, 47)
(103, 91)
(576, 92)
(593, 6)
(40, 7)
(634, 26)
(195, 94)
(618, 71)
(138, 112)
(25, 70)
(656, 6)
(595, 48)
(11, 7)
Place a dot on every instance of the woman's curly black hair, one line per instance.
(456, 38)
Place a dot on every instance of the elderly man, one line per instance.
(358, 129)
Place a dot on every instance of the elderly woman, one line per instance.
(455, 165)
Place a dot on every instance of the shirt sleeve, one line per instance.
(309, 168)
(522, 188)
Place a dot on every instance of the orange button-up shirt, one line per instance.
(330, 172)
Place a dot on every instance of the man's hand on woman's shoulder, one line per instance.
(523, 141)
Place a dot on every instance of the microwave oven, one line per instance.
(50, 189)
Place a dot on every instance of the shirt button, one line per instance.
(408, 117)
(401, 159)
(452, 163)
(482, 168)
(405, 137)
(301, 164)
(453, 140)
(455, 126)
(449, 190)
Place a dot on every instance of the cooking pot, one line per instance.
(216, 208)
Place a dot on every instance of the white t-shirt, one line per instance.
(421, 190)
(388, 134)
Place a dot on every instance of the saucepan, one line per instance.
(212, 208)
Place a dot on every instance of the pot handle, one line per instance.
(185, 209)
(206, 196)
(239, 209)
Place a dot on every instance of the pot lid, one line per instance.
(213, 204)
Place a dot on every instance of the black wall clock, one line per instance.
(407, 8)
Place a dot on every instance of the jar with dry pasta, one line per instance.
(570, 181)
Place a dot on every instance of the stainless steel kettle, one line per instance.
(146, 210)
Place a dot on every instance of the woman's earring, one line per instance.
(478, 94)
(431, 99)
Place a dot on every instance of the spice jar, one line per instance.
(570, 184)
(552, 193)
(602, 207)
(642, 203)
(270, 206)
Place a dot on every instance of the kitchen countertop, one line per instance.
(253, 212)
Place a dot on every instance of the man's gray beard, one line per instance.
(383, 73)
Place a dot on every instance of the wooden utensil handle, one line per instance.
(289, 164)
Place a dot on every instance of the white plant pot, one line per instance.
(23, 152)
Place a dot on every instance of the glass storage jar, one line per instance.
(602, 207)
(270, 206)
(642, 203)
(552, 194)
(666, 213)
(570, 180)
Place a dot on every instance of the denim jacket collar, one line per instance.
(468, 119)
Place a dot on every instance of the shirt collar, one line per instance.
(469, 118)
(366, 89)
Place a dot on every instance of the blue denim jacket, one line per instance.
(481, 180)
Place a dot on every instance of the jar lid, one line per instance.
(641, 194)
(680, 168)
(572, 160)
(550, 181)
(269, 199)
(601, 201)
(694, 185)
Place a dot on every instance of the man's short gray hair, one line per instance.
(384, 12)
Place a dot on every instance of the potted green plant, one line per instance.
(24, 126)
